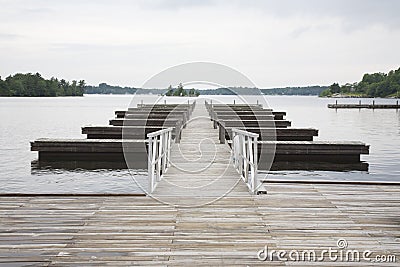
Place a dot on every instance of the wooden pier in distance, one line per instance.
(366, 106)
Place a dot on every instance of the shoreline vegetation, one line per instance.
(379, 85)
(373, 85)
(34, 85)
(182, 92)
(104, 88)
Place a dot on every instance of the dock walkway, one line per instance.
(201, 168)
(125, 231)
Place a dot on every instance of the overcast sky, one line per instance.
(274, 43)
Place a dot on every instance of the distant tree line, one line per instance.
(35, 85)
(309, 90)
(372, 85)
(231, 91)
(104, 88)
(179, 91)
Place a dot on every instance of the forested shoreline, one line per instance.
(34, 85)
(372, 85)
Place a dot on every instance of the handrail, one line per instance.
(245, 157)
(159, 148)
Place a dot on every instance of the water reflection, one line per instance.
(81, 177)
(39, 166)
(319, 166)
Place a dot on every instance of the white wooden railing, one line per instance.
(159, 148)
(245, 157)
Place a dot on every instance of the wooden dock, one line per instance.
(107, 142)
(125, 231)
(201, 214)
(90, 149)
(272, 133)
(126, 132)
(201, 168)
(366, 106)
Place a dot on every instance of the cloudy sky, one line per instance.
(274, 43)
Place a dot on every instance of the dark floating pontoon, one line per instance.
(360, 105)
(134, 131)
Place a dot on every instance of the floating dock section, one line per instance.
(277, 140)
(128, 132)
(364, 106)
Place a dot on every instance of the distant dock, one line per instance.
(361, 105)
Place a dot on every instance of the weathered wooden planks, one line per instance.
(120, 231)
(199, 165)
(123, 230)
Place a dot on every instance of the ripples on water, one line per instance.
(26, 119)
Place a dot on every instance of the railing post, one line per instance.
(150, 163)
(159, 147)
(164, 149)
(155, 153)
(159, 166)
(250, 146)
(255, 160)
(169, 147)
(245, 156)
(234, 147)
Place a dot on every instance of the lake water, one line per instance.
(26, 119)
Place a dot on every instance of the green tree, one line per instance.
(3, 88)
(81, 87)
(180, 91)
(334, 88)
(35, 85)
(170, 91)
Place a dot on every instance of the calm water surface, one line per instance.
(26, 119)
(378, 128)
